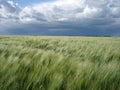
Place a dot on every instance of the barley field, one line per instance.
(59, 63)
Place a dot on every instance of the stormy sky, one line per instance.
(60, 17)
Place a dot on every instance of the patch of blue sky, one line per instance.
(24, 3)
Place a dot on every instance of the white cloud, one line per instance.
(54, 11)
(62, 10)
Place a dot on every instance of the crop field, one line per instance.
(59, 63)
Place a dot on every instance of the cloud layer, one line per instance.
(61, 17)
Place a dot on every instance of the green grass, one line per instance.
(59, 63)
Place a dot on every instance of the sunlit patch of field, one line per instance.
(59, 63)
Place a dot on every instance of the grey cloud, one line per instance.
(115, 12)
(115, 3)
(98, 3)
